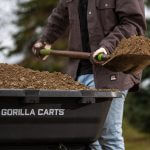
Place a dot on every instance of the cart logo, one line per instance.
(32, 112)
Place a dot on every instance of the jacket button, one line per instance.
(90, 12)
(106, 5)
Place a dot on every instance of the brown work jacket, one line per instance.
(109, 21)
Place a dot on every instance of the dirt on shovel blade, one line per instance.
(138, 45)
(132, 54)
(17, 77)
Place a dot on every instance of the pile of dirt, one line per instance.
(14, 76)
(138, 45)
(132, 55)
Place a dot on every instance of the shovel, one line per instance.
(73, 54)
(130, 63)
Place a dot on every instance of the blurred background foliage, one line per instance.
(32, 16)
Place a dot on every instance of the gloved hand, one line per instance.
(39, 45)
(95, 55)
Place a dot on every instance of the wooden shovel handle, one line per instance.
(71, 54)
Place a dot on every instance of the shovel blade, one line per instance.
(127, 63)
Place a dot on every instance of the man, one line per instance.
(97, 26)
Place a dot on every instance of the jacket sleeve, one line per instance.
(132, 21)
(57, 23)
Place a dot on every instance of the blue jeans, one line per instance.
(111, 137)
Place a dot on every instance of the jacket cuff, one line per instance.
(107, 49)
(44, 39)
(108, 46)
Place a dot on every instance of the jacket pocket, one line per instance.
(105, 4)
(106, 14)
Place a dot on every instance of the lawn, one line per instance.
(134, 139)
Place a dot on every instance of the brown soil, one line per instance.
(131, 56)
(138, 45)
(14, 76)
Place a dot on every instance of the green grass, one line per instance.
(135, 140)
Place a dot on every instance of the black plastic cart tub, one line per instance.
(39, 117)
